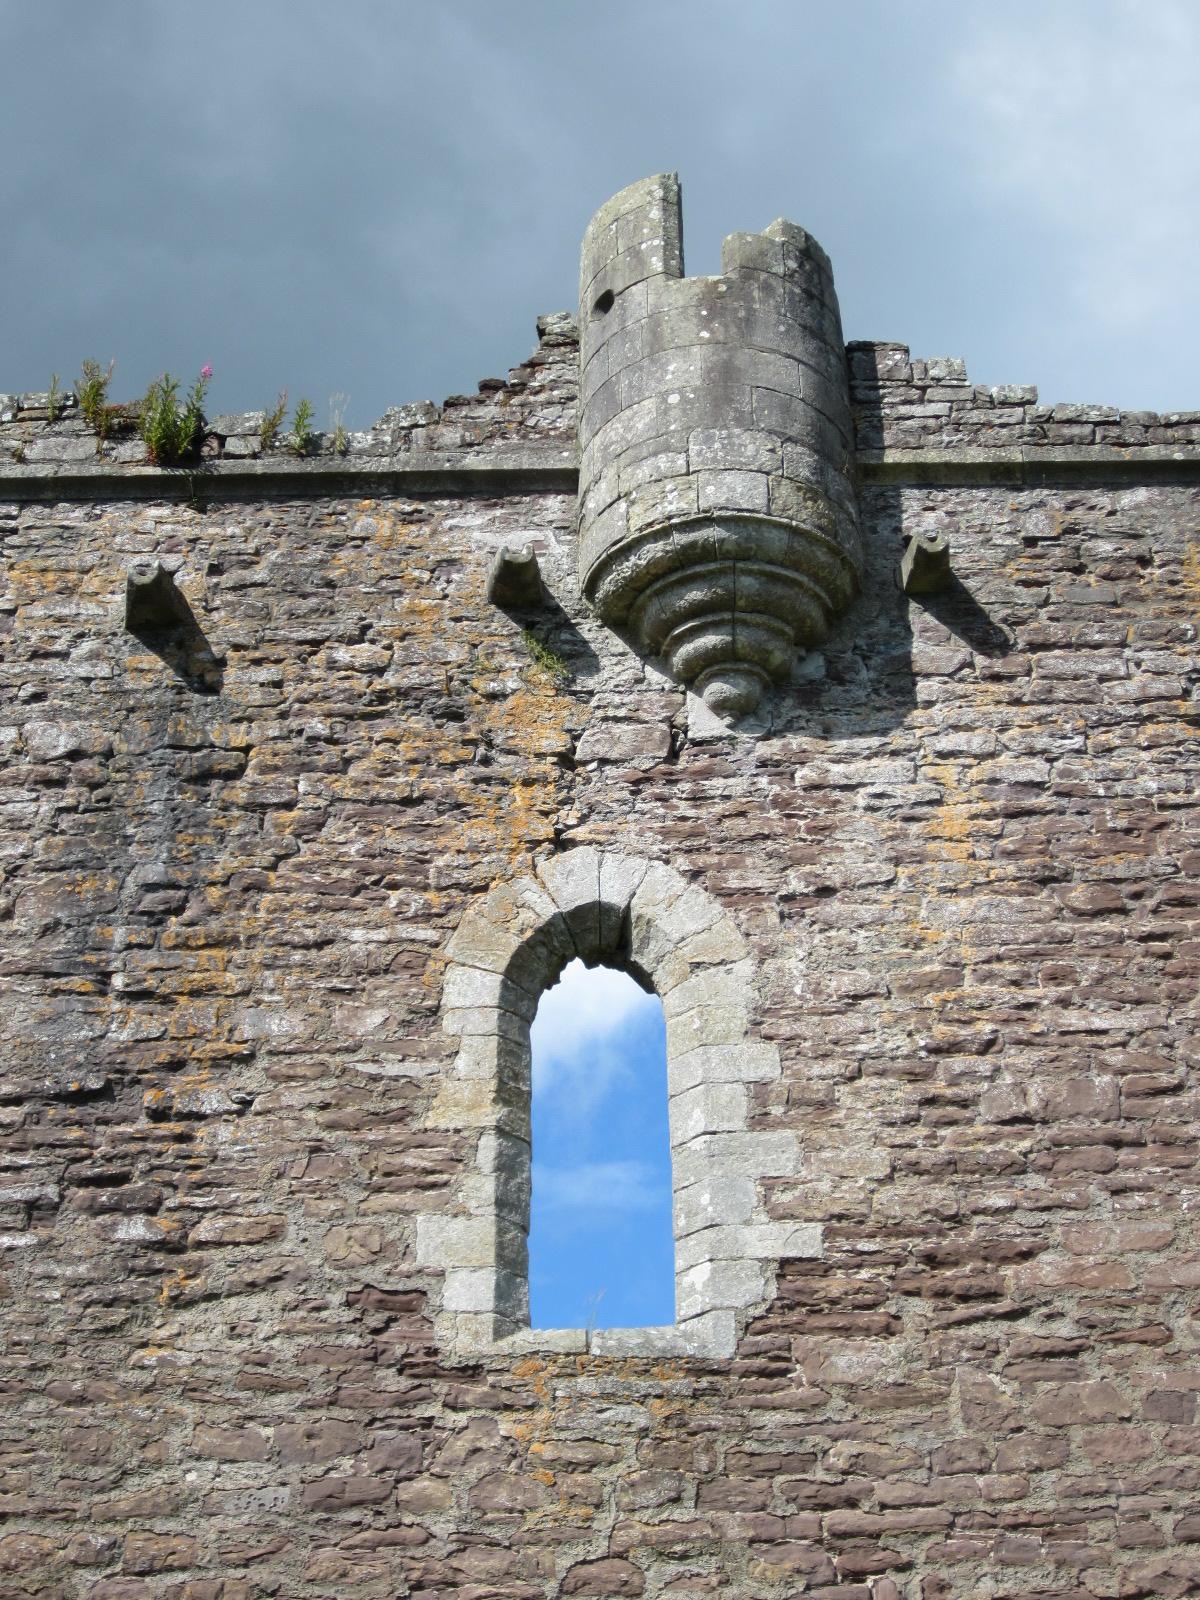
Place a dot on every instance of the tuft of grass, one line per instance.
(173, 432)
(272, 420)
(593, 1304)
(341, 439)
(299, 441)
(93, 394)
(54, 396)
(92, 391)
(542, 656)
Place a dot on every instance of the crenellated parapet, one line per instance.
(718, 520)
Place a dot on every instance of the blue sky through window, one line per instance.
(600, 1237)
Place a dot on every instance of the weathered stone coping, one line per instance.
(556, 471)
(496, 473)
(1030, 466)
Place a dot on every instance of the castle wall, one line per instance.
(962, 845)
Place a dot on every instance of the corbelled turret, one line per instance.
(718, 522)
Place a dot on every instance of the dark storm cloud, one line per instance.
(379, 198)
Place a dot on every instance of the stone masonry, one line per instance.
(279, 884)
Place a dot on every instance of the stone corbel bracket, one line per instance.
(153, 603)
(925, 564)
(677, 940)
(514, 580)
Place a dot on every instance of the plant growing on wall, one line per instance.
(300, 439)
(271, 421)
(173, 432)
(92, 391)
(341, 439)
(544, 657)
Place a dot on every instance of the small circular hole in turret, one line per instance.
(603, 302)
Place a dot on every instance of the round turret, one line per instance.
(718, 523)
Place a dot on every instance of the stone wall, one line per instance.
(962, 846)
(534, 406)
(921, 405)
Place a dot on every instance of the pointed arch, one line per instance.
(676, 939)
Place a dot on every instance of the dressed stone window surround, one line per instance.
(676, 940)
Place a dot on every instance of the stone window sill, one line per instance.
(713, 1336)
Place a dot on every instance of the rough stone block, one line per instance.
(625, 742)
(712, 1200)
(718, 1285)
(708, 1108)
(573, 882)
(153, 602)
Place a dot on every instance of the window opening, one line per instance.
(504, 956)
(601, 1243)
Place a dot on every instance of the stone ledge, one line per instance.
(1035, 466)
(711, 1336)
(556, 471)
(483, 472)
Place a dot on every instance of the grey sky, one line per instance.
(378, 197)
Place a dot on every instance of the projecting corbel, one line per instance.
(925, 565)
(153, 603)
(514, 582)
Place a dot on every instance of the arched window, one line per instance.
(508, 950)
(601, 1246)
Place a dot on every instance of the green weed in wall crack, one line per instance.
(174, 433)
(341, 439)
(549, 660)
(272, 420)
(92, 390)
(300, 440)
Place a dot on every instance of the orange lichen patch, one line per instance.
(1186, 595)
(175, 1285)
(33, 582)
(533, 719)
(953, 822)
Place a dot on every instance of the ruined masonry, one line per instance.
(854, 707)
